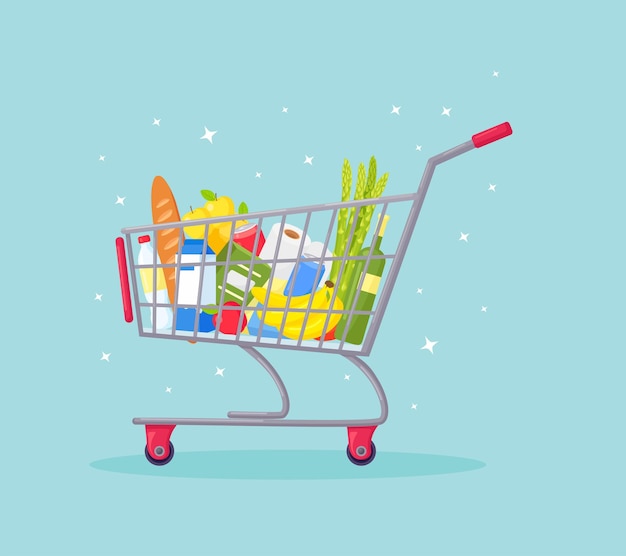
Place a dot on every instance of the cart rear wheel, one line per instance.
(365, 461)
(163, 461)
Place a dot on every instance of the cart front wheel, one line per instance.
(160, 451)
(362, 449)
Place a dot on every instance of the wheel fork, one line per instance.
(360, 442)
(158, 440)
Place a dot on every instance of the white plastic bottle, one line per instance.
(146, 257)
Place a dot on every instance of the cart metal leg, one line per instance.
(361, 449)
(279, 383)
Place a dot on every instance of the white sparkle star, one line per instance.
(120, 200)
(483, 308)
(156, 122)
(429, 345)
(418, 147)
(258, 175)
(308, 159)
(101, 158)
(346, 377)
(98, 297)
(395, 109)
(446, 111)
(168, 390)
(463, 237)
(496, 73)
(285, 109)
(419, 290)
(492, 187)
(219, 371)
(105, 357)
(208, 135)
(413, 406)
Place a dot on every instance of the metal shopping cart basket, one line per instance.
(301, 322)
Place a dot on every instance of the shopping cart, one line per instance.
(316, 219)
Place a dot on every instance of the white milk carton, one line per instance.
(189, 281)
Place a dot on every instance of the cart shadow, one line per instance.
(288, 465)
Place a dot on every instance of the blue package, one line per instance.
(304, 278)
(186, 319)
(254, 324)
(194, 247)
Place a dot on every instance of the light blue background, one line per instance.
(533, 388)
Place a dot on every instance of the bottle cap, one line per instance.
(144, 239)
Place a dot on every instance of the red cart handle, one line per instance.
(123, 268)
(492, 134)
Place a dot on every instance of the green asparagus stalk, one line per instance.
(364, 226)
(367, 187)
(341, 238)
(368, 183)
(363, 211)
(360, 233)
(371, 178)
(358, 194)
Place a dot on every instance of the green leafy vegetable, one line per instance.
(340, 241)
(367, 187)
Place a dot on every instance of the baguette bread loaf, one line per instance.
(164, 209)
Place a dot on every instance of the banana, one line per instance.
(273, 300)
(292, 319)
(315, 322)
(276, 300)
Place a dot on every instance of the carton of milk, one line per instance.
(193, 265)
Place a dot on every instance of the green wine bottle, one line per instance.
(363, 299)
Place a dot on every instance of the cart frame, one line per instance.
(361, 450)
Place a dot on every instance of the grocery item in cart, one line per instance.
(284, 244)
(316, 249)
(303, 316)
(278, 285)
(161, 317)
(193, 266)
(245, 235)
(186, 320)
(304, 277)
(254, 324)
(215, 206)
(362, 299)
(237, 273)
(164, 209)
(311, 325)
(228, 318)
(353, 223)
(222, 234)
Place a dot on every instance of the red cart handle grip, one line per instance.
(492, 134)
(123, 268)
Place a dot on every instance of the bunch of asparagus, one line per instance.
(366, 188)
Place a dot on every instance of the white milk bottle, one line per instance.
(146, 257)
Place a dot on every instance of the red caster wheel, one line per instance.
(361, 449)
(160, 451)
